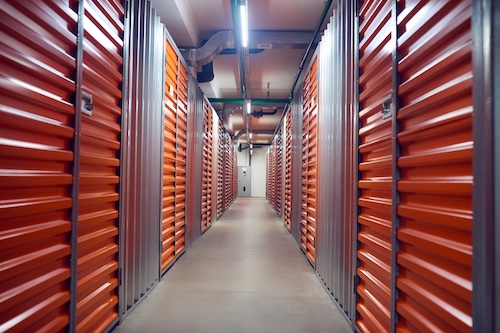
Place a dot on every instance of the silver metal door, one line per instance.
(244, 181)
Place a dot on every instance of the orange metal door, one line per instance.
(97, 287)
(169, 157)
(180, 163)
(206, 202)
(288, 170)
(37, 115)
(435, 210)
(375, 168)
(309, 162)
(220, 171)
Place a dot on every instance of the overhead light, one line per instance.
(251, 152)
(250, 136)
(251, 145)
(249, 107)
(244, 24)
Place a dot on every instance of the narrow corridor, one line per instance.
(246, 274)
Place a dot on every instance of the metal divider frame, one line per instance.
(124, 169)
(495, 14)
(395, 170)
(354, 7)
(485, 231)
(76, 168)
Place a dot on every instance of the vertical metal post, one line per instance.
(124, 165)
(356, 157)
(496, 162)
(483, 268)
(395, 170)
(76, 169)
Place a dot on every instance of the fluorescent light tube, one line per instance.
(249, 107)
(244, 25)
(250, 136)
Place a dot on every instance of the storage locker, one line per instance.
(38, 46)
(422, 278)
(309, 161)
(288, 170)
(220, 170)
(72, 159)
(434, 121)
(206, 202)
(375, 168)
(97, 286)
(174, 160)
(180, 163)
(169, 156)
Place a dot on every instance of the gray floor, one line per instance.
(245, 274)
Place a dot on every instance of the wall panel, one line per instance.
(141, 170)
(336, 205)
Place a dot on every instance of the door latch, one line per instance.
(87, 103)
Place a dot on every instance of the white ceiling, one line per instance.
(189, 22)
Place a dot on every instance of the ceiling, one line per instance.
(286, 24)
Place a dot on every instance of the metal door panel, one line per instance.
(100, 143)
(37, 71)
(435, 257)
(375, 167)
(169, 157)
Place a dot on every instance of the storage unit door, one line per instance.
(288, 170)
(375, 168)
(435, 210)
(309, 162)
(37, 86)
(97, 287)
(180, 163)
(169, 158)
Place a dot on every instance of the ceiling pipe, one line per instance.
(228, 110)
(240, 133)
(207, 53)
(310, 46)
(255, 101)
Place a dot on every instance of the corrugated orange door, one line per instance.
(288, 170)
(206, 202)
(180, 163)
(375, 168)
(309, 162)
(279, 171)
(220, 171)
(99, 167)
(169, 157)
(37, 85)
(435, 234)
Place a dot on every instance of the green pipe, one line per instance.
(255, 101)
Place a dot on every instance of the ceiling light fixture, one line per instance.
(250, 136)
(251, 145)
(249, 107)
(244, 24)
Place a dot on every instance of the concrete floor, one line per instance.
(245, 274)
